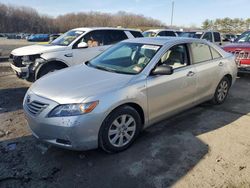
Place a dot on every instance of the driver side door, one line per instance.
(95, 41)
(169, 94)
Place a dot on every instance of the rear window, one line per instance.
(200, 52)
(166, 33)
(136, 34)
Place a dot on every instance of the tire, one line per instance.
(119, 129)
(221, 91)
(48, 68)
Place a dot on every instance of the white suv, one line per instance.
(74, 47)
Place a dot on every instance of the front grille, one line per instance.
(35, 107)
(16, 60)
(241, 54)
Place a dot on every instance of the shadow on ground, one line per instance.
(11, 99)
(162, 154)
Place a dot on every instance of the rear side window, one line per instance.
(136, 34)
(167, 33)
(215, 54)
(208, 36)
(200, 52)
(217, 37)
(114, 36)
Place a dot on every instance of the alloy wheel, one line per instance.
(222, 90)
(122, 130)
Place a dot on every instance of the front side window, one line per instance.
(94, 38)
(176, 57)
(125, 58)
(67, 38)
(208, 36)
(200, 52)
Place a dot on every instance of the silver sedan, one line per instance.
(109, 100)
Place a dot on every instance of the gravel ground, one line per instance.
(207, 146)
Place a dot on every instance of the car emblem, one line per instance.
(28, 99)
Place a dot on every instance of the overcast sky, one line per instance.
(186, 12)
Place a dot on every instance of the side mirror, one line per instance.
(162, 70)
(82, 45)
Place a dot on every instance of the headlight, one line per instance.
(73, 109)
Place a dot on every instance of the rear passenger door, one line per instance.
(207, 62)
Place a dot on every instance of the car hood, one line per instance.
(237, 46)
(74, 84)
(37, 49)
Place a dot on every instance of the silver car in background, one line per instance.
(109, 100)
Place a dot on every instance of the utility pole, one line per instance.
(172, 15)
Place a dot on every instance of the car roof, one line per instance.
(158, 30)
(86, 29)
(163, 40)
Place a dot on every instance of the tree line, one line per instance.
(24, 19)
(227, 25)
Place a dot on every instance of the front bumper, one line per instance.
(244, 67)
(75, 132)
(21, 72)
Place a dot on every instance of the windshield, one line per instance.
(191, 34)
(149, 34)
(244, 37)
(125, 58)
(67, 38)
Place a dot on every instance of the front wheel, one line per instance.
(221, 91)
(119, 129)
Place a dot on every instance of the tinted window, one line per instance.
(136, 34)
(166, 33)
(215, 54)
(114, 36)
(94, 38)
(176, 56)
(200, 52)
(217, 37)
(208, 36)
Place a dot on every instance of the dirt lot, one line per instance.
(207, 146)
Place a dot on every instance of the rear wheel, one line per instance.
(119, 129)
(221, 91)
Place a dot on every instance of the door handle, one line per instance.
(221, 64)
(190, 73)
(68, 55)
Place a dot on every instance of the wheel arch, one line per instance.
(50, 63)
(230, 78)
